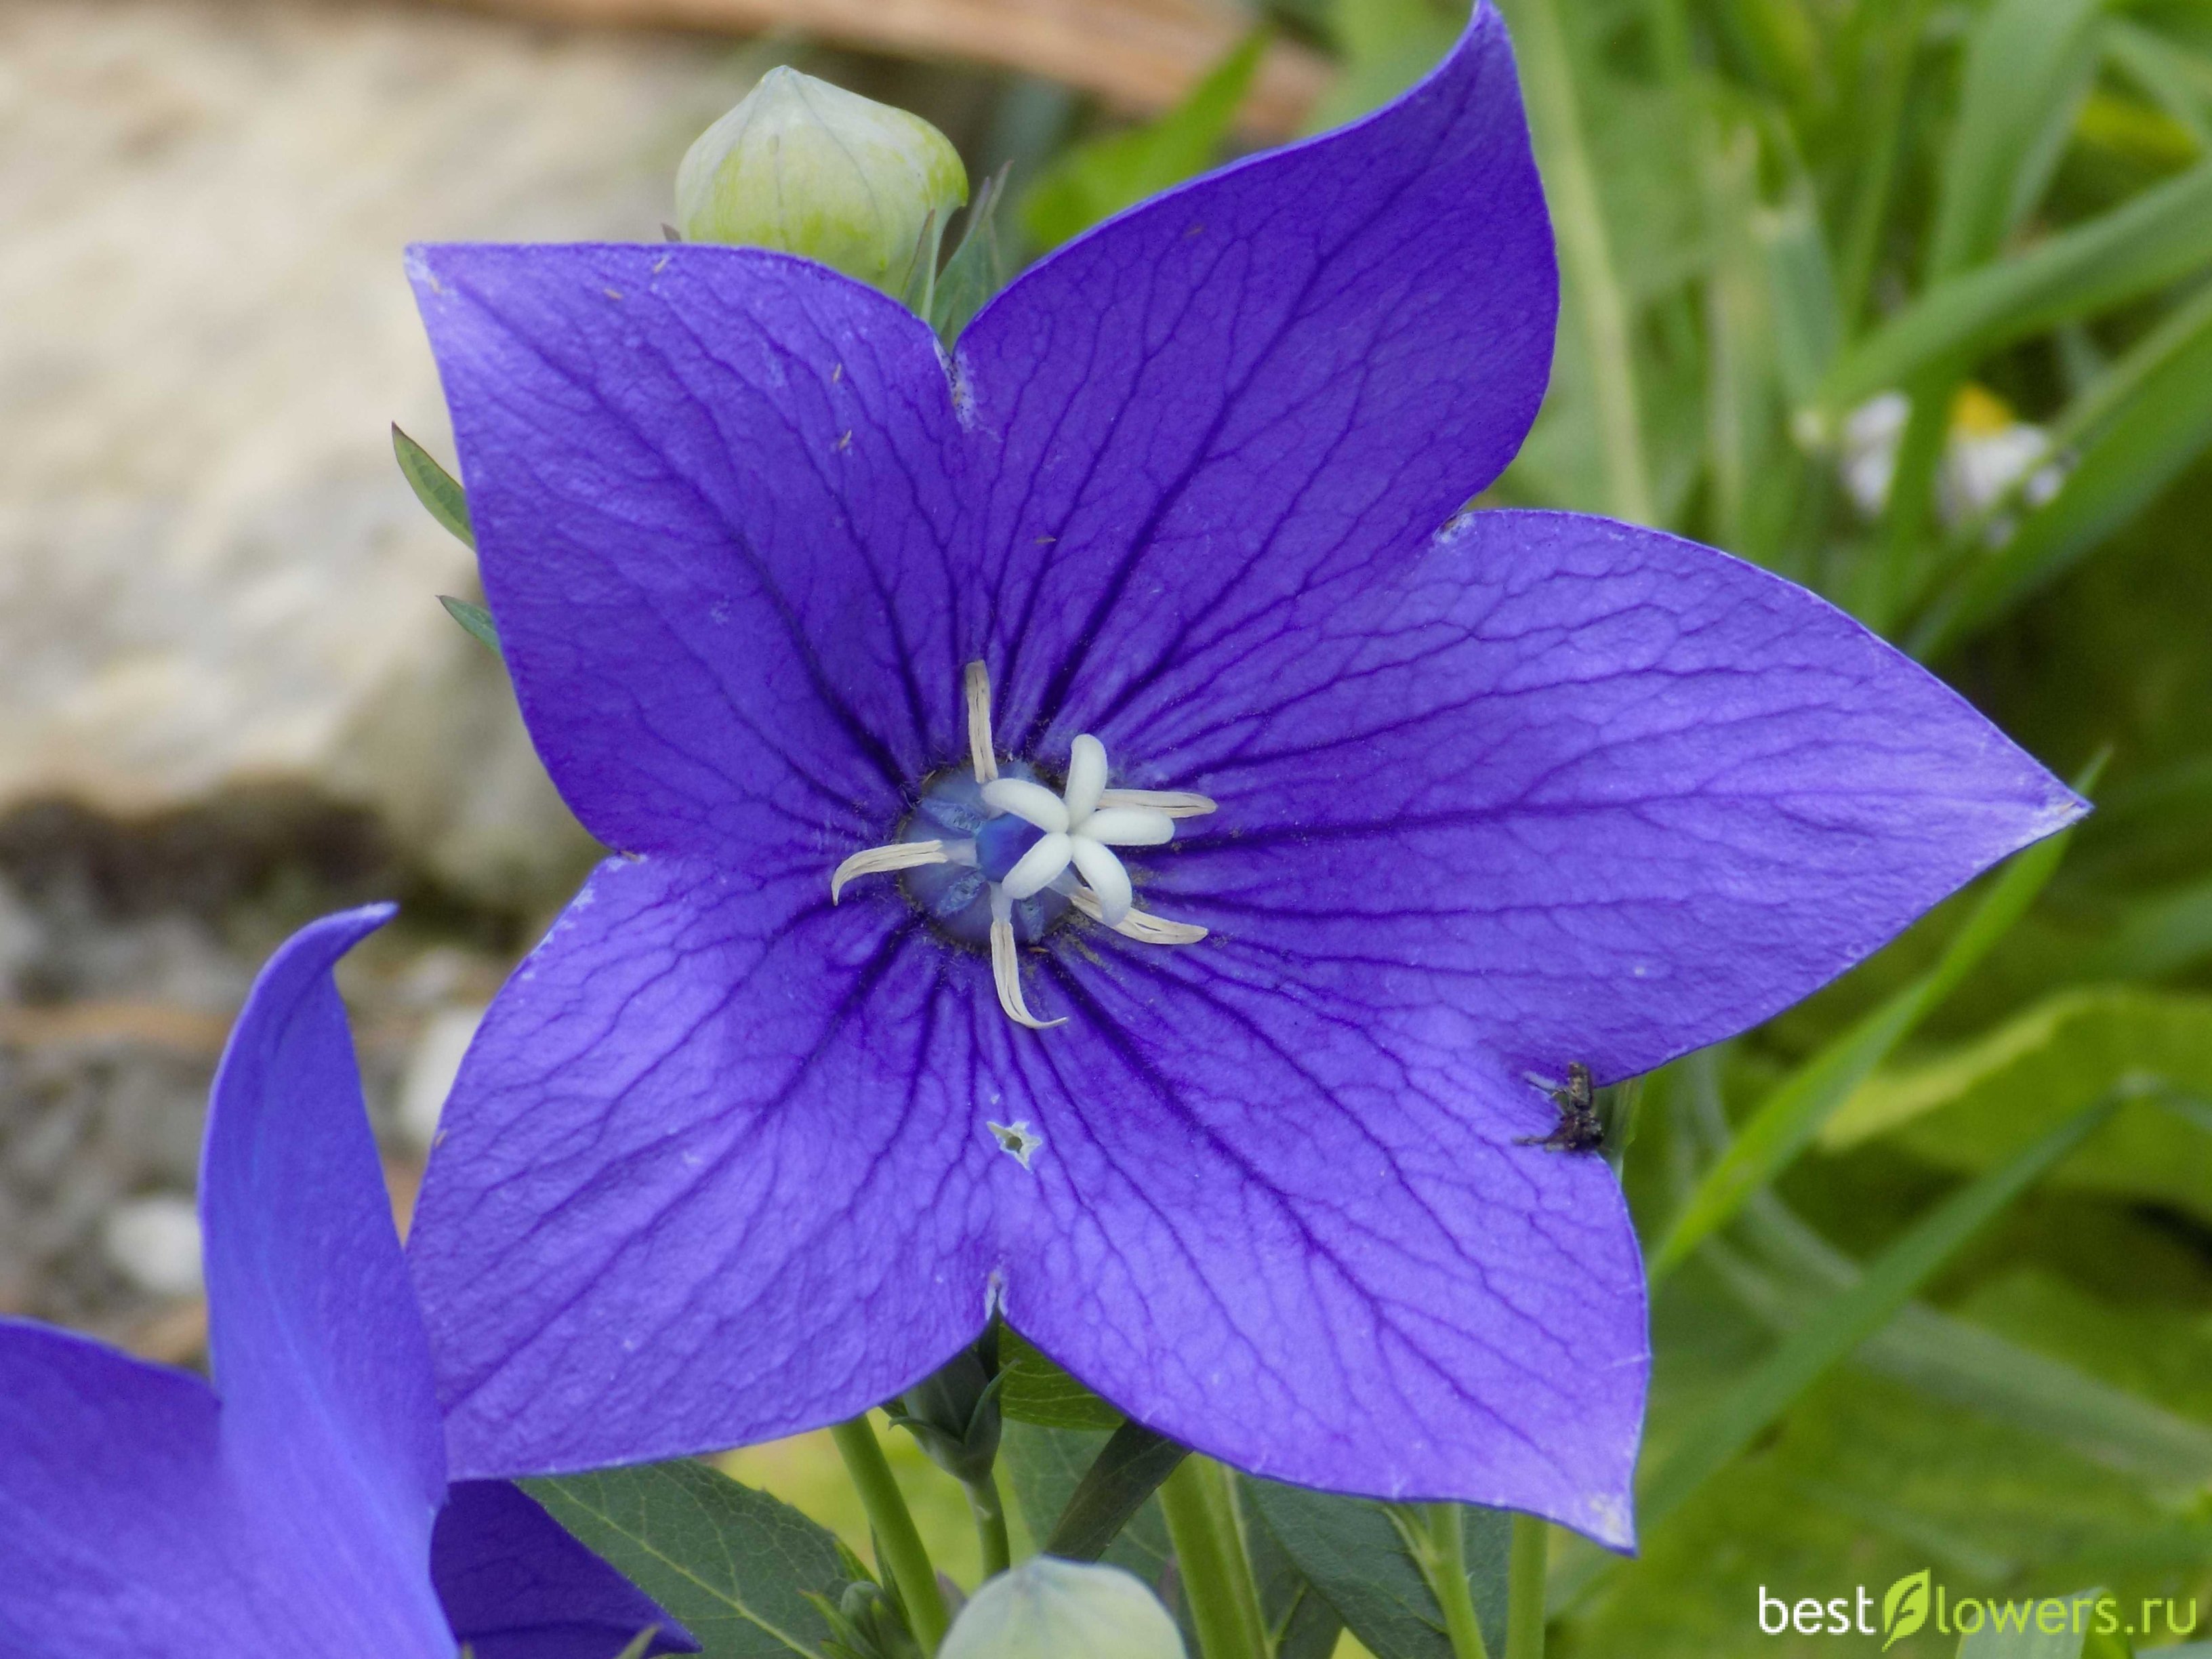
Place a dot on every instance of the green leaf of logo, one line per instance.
(1905, 1609)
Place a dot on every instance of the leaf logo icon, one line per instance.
(1905, 1609)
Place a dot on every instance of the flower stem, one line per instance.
(904, 1556)
(1210, 1562)
(989, 1508)
(1524, 1589)
(1447, 1574)
(1548, 73)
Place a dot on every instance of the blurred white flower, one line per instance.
(154, 1242)
(1987, 453)
(1052, 1609)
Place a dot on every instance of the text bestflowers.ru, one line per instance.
(1916, 1601)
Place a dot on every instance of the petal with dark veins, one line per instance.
(714, 500)
(716, 1171)
(1604, 793)
(1251, 395)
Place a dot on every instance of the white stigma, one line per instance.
(1078, 830)
(1073, 856)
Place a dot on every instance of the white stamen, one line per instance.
(1006, 976)
(1025, 799)
(1081, 825)
(1129, 826)
(981, 755)
(1141, 925)
(879, 860)
(1108, 880)
(1175, 803)
(1034, 870)
(1086, 777)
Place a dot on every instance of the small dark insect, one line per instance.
(1578, 1129)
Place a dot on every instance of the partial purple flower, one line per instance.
(290, 1509)
(1145, 656)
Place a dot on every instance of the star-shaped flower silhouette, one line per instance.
(1137, 674)
(300, 1506)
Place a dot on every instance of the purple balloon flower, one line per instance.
(1144, 657)
(300, 1506)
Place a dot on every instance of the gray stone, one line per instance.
(210, 572)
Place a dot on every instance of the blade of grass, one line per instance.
(1877, 174)
(2025, 59)
(2157, 66)
(1846, 1320)
(1793, 1112)
(1547, 74)
(2156, 237)
(1964, 1365)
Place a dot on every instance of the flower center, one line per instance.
(996, 858)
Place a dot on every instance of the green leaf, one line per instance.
(434, 486)
(1980, 1103)
(1354, 1552)
(2156, 237)
(476, 619)
(1300, 1622)
(1095, 180)
(1036, 1389)
(1800, 276)
(2027, 63)
(1044, 1466)
(733, 1564)
(1846, 1320)
(976, 270)
(2161, 430)
(1794, 1111)
(1129, 1469)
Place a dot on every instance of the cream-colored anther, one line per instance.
(1141, 925)
(981, 755)
(880, 860)
(1175, 803)
(1006, 967)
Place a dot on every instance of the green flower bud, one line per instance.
(1065, 1609)
(867, 1624)
(954, 1413)
(810, 168)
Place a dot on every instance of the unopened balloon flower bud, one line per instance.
(1065, 1609)
(810, 168)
